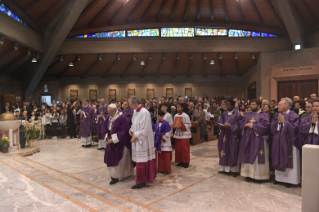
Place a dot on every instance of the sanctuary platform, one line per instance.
(65, 177)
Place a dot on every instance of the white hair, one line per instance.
(135, 99)
(288, 100)
(267, 102)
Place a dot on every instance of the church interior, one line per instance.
(57, 54)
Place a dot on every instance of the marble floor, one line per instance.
(66, 177)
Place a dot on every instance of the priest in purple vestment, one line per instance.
(86, 117)
(118, 150)
(100, 117)
(228, 141)
(254, 149)
(285, 146)
(127, 112)
(308, 130)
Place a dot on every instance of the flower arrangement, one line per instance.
(5, 142)
(32, 130)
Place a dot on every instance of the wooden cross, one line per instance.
(227, 123)
(224, 139)
(261, 152)
(222, 153)
(252, 120)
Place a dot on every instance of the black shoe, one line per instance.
(180, 164)
(186, 165)
(275, 182)
(139, 186)
(100, 148)
(83, 146)
(235, 174)
(113, 181)
(288, 185)
(87, 146)
(221, 172)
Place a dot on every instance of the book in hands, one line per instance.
(178, 122)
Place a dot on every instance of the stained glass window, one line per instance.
(143, 33)
(7, 11)
(267, 35)
(114, 34)
(242, 33)
(177, 32)
(210, 32)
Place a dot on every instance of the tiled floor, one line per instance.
(66, 177)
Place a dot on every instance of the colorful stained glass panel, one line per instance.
(210, 32)
(7, 11)
(177, 32)
(143, 33)
(114, 34)
(242, 33)
(46, 88)
(267, 35)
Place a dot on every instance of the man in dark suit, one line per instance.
(273, 104)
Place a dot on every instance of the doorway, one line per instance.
(302, 88)
(252, 91)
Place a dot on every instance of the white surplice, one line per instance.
(125, 167)
(143, 149)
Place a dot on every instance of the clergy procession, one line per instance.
(253, 141)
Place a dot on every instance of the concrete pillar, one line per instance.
(11, 137)
(310, 178)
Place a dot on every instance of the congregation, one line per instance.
(256, 138)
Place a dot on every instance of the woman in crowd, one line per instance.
(55, 122)
(48, 117)
(72, 119)
(268, 109)
(63, 122)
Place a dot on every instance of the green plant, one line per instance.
(5, 142)
(32, 130)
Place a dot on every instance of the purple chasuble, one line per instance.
(284, 139)
(228, 141)
(114, 152)
(252, 141)
(128, 113)
(100, 121)
(86, 123)
(159, 131)
(304, 136)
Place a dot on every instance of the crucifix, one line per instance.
(222, 153)
(224, 139)
(261, 152)
(252, 120)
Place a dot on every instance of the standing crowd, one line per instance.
(255, 137)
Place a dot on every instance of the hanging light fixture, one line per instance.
(100, 57)
(220, 56)
(79, 57)
(134, 56)
(205, 56)
(150, 57)
(29, 52)
(61, 58)
(177, 57)
(212, 62)
(236, 56)
(253, 56)
(16, 46)
(71, 64)
(118, 57)
(34, 60)
(1, 39)
(142, 63)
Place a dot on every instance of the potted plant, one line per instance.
(5, 145)
(32, 132)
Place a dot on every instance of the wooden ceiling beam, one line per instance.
(17, 65)
(175, 65)
(67, 68)
(47, 12)
(107, 72)
(274, 12)
(128, 67)
(204, 74)
(23, 15)
(31, 4)
(306, 5)
(53, 65)
(90, 68)
(211, 9)
(161, 10)
(138, 4)
(225, 10)
(22, 71)
(101, 12)
(240, 11)
(190, 65)
(160, 65)
(186, 10)
(118, 11)
(252, 2)
(198, 10)
(8, 56)
(173, 11)
(147, 11)
(145, 66)
(237, 67)
(88, 8)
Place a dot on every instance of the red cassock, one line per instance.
(182, 149)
